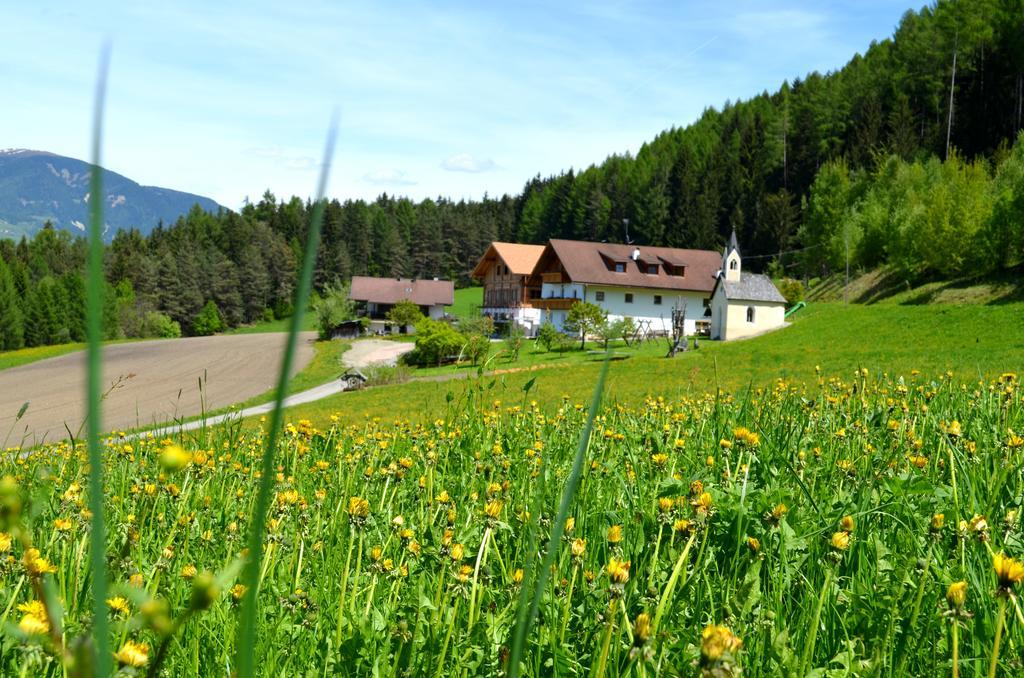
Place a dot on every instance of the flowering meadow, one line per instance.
(863, 525)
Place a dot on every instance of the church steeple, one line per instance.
(731, 264)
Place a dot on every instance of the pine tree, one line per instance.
(12, 334)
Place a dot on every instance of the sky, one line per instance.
(456, 99)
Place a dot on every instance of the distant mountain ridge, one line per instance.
(37, 186)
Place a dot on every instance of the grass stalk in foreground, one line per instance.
(557, 529)
(246, 657)
(94, 397)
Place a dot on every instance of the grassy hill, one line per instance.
(467, 302)
(885, 286)
(969, 340)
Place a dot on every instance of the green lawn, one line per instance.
(467, 302)
(282, 325)
(532, 356)
(24, 356)
(967, 340)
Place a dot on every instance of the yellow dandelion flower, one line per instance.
(841, 541)
(358, 509)
(642, 629)
(847, 524)
(716, 641)
(614, 534)
(956, 594)
(33, 626)
(5, 542)
(119, 605)
(493, 509)
(1009, 572)
(618, 571)
(174, 458)
(133, 654)
(36, 564)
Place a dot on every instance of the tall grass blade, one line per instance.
(247, 630)
(572, 483)
(94, 365)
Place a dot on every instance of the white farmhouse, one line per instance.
(743, 304)
(643, 283)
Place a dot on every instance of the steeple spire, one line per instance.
(733, 244)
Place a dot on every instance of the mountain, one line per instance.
(36, 186)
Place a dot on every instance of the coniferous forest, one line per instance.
(904, 157)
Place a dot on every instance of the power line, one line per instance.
(779, 254)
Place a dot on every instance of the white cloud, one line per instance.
(464, 162)
(284, 158)
(390, 177)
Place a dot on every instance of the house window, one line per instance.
(679, 271)
(599, 296)
(629, 298)
(750, 314)
(652, 269)
(733, 265)
(620, 267)
(657, 300)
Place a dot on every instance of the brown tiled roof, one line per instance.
(393, 290)
(584, 262)
(520, 259)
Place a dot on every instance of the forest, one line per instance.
(903, 157)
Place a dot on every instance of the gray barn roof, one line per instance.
(752, 287)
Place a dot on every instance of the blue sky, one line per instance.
(227, 99)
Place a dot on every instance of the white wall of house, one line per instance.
(436, 312)
(562, 291)
(730, 320)
(642, 307)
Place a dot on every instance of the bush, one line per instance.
(155, 324)
(208, 321)
(793, 290)
(436, 342)
(514, 341)
(481, 324)
(332, 309)
(405, 314)
(382, 374)
(476, 348)
(548, 337)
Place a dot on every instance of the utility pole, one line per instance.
(952, 84)
(846, 287)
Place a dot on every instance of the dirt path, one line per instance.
(368, 351)
(149, 382)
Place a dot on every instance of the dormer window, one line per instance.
(620, 267)
(652, 269)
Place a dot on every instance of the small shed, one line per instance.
(350, 329)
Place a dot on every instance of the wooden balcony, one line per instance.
(554, 304)
(556, 278)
